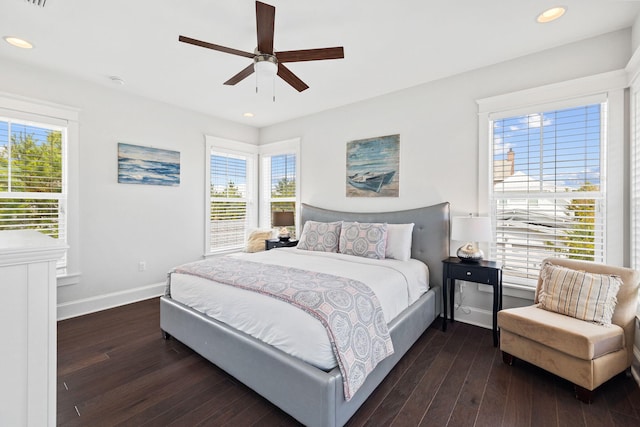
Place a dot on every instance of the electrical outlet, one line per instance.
(142, 266)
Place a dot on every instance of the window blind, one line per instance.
(547, 197)
(32, 179)
(229, 180)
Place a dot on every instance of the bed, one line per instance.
(314, 396)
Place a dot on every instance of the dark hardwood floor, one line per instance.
(115, 369)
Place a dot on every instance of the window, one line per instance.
(231, 208)
(547, 196)
(279, 177)
(33, 188)
(232, 189)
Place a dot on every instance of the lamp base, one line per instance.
(284, 238)
(470, 253)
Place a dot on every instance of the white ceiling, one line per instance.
(389, 45)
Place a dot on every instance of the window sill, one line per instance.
(510, 290)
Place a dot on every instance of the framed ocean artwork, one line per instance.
(147, 165)
(373, 167)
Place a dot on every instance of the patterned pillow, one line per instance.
(585, 296)
(367, 240)
(320, 236)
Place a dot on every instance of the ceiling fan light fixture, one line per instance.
(551, 14)
(265, 65)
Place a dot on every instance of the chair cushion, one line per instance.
(584, 340)
(579, 294)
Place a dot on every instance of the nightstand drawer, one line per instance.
(478, 275)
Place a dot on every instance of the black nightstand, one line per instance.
(485, 272)
(277, 243)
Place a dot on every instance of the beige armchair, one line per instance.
(585, 353)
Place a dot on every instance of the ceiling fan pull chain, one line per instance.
(274, 89)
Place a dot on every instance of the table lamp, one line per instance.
(470, 229)
(284, 220)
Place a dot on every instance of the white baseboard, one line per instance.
(474, 316)
(90, 305)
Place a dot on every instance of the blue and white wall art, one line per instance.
(373, 167)
(147, 165)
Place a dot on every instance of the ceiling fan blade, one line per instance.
(240, 76)
(310, 54)
(208, 45)
(265, 18)
(286, 75)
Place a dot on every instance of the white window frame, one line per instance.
(258, 185)
(635, 174)
(552, 97)
(267, 151)
(248, 151)
(28, 110)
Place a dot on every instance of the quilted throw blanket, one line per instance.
(348, 309)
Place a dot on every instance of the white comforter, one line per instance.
(397, 284)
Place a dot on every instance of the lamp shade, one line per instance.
(282, 219)
(471, 229)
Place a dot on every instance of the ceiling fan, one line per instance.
(264, 55)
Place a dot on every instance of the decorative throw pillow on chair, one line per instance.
(586, 296)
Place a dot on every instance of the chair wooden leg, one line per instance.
(507, 358)
(583, 395)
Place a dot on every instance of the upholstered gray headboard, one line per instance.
(430, 233)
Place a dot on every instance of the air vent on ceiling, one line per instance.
(37, 2)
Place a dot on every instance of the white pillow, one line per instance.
(399, 241)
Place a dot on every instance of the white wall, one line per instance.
(438, 128)
(119, 224)
(635, 34)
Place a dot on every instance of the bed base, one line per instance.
(310, 395)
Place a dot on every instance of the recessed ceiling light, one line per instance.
(551, 14)
(247, 115)
(18, 42)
